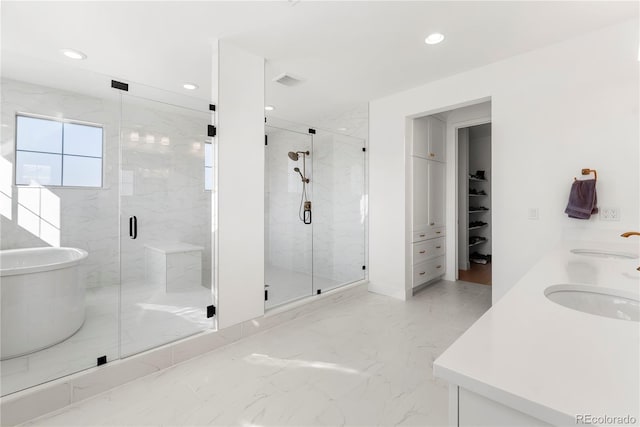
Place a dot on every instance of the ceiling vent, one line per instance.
(287, 80)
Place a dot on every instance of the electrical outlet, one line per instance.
(609, 214)
(533, 213)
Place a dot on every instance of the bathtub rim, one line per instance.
(15, 271)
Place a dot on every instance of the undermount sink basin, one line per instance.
(613, 303)
(604, 254)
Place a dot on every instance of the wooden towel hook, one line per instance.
(587, 171)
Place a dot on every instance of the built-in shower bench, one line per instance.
(176, 266)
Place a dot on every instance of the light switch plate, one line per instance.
(533, 213)
(609, 214)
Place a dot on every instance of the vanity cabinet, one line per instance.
(428, 258)
(467, 409)
(426, 271)
(429, 138)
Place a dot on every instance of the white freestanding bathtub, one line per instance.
(42, 298)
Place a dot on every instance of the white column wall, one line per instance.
(555, 110)
(240, 185)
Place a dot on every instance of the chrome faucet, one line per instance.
(629, 234)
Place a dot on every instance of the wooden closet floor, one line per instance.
(478, 273)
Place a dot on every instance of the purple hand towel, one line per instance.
(582, 199)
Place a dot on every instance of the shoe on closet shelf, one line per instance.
(478, 258)
(479, 175)
(477, 224)
(476, 239)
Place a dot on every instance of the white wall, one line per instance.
(240, 272)
(554, 111)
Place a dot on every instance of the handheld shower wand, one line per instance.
(304, 212)
(305, 180)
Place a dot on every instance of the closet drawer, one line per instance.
(428, 234)
(428, 249)
(427, 270)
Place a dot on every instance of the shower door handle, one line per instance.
(133, 227)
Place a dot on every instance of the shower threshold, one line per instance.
(287, 286)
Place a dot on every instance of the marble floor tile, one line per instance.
(149, 317)
(365, 361)
(285, 285)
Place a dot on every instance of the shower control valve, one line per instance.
(307, 212)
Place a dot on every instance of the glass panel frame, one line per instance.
(163, 295)
(288, 241)
(36, 168)
(340, 216)
(81, 171)
(76, 136)
(56, 125)
(27, 125)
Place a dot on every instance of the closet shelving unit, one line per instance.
(474, 199)
(474, 192)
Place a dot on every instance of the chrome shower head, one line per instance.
(293, 156)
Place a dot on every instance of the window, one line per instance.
(208, 166)
(58, 153)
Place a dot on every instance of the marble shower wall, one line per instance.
(287, 240)
(168, 183)
(163, 181)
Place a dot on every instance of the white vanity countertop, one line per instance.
(549, 361)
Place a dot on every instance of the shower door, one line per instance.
(165, 224)
(339, 210)
(288, 244)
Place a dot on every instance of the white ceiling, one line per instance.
(347, 53)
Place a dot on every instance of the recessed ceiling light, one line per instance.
(341, 129)
(190, 86)
(73, 54)
(269, 108)
(434, 38)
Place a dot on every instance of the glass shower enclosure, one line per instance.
(125, 176)
(315, 230)
(165, 224)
